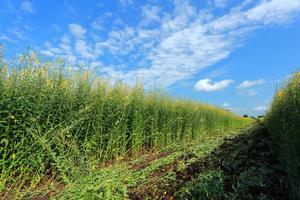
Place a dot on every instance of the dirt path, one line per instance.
(244, 167)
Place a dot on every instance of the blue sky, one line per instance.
(227, 53)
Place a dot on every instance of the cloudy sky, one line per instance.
(230, 53)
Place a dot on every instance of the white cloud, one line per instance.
(288, 76)
(248, 84)
(26, 6)
(150, 14)
(190, 41)
(77, 30)
(5, 38)
(47, 53)
(251, 92)
(65, 39)
(260, 108)
(274, 12)
(84, 50)
(95, 64)
(64, 50)
(185, 41)
(207, 85)
(97, 25)
(17, 32)
(50, 50)
(65, 44)
(56, 50)
(226, 105)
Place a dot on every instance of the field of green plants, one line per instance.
(57, 123)
(283, 122)
(66, 133)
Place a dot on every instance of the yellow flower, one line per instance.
(295, 83)
(280, 94)
(49, 82)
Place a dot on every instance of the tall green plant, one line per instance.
(283, 121)
(55, 121)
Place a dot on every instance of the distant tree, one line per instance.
(245, 115)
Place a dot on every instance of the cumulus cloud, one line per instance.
(77, 30)
(275, 11)
(248, 84)
(27, 6)
(82, 47)
(260, 108)
(226, 105)
(97, 24)
(65, 44)
(207, 85)
(150, 14)
(47, 53)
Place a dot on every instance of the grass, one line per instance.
(59, 121)
(283, 121)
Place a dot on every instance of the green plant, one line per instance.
(283, 122)
(209, 185)
(56, 121)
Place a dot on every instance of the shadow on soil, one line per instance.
(243, 167)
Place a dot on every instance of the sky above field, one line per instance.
(229, 53)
